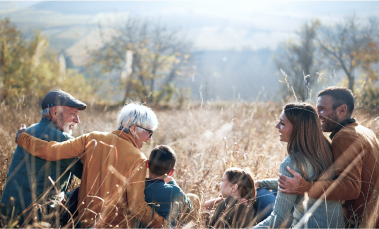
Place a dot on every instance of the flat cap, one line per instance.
(61, 98)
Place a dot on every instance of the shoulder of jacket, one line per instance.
(287, 160)
(346, 134)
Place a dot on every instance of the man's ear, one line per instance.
(147, 164)
(342, 111)
(53, 112)
(171, 172)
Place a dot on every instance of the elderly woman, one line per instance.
(111, 192)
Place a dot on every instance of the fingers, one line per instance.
(21, 130)
(284, 190)
(282, 177)
(293, 172)
(256, 184)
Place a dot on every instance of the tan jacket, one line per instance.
(356, 150)
(111, 193)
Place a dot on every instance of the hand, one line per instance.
(168, 179)
(20, 131)
(209, 204)
(287, 184)
(256, 184)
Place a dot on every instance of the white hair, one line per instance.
(46, 112)
(136, 114)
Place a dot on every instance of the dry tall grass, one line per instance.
(207, 139)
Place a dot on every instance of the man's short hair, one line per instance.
(162, 159)
(46, 112)
(340, 95)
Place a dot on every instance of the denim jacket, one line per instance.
(27, 177)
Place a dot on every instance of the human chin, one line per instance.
(328, 125)
(67, 127)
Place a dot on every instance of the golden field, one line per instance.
(207, 138)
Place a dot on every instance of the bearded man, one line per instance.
(28, 176)
(355, 150)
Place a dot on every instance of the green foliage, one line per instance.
(30, 67)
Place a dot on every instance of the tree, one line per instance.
(30, 67)
(348, 44)
(298, 61)
(146, 56)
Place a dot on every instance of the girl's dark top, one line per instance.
(230, 213)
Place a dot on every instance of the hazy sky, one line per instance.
(258, 24)
(217, 30)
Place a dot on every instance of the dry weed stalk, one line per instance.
(207, 139)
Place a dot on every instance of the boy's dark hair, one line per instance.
(162, 159)
(340, 95)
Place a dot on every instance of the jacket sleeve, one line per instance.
(184, 204)
(283, 204)
(52, 151)
(348, 152)
(271, 183)
(136, 198)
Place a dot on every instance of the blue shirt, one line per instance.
(164, 198)
(27, 177)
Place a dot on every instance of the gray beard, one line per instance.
(66, 128)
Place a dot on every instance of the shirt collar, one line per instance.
(154, 180)
(339, 127)
(51, 122)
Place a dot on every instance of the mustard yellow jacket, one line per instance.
(111, 193)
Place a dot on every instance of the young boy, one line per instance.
(161, 192)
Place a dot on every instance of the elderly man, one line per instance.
(356, 150)
(111, 192)
(27, 177)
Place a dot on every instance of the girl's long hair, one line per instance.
(307, 140)
(244, 180)
(230, 213)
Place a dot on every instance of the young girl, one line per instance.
(236, 208)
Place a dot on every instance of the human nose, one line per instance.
(319, 112)
(76, 119)
(277, 125)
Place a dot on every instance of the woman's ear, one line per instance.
(147, 164)
(132, 130)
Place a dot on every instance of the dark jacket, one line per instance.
(230, 213)
(27, 177)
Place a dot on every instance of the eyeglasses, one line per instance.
(150, 131)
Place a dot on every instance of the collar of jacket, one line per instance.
(154, 180)
(124, 135)
(339, 127)
(50, 123)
